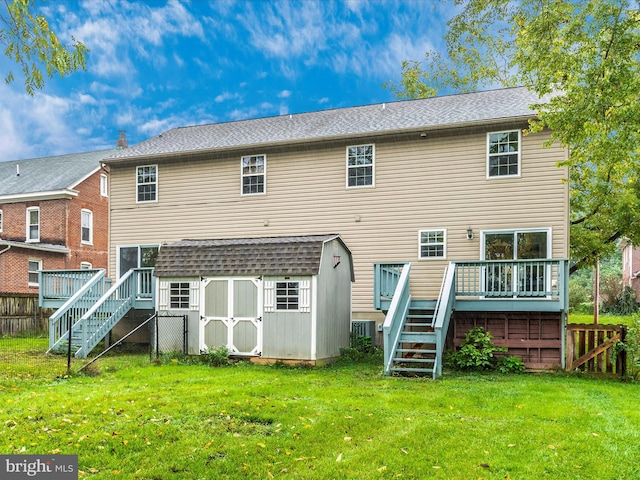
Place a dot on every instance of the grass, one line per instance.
(603, 319)
(133, 419)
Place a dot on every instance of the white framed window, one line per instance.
(503, 154)
(432, 244)
(254, 171)
(146, 183)
(86, 266)
(0, 220)
(360, 166)
(104, 185)
(287, 295)
(33, 224)
(179, 295)
(34, 267)
(86, 233)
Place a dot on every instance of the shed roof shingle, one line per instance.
(393, 117)
(295, 255)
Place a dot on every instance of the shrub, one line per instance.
(360, 347)
(624, 303)
(477, 352)
(215, 357)
(631, 346)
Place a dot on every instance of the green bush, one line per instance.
(477, 352)
(631, 346)
(624, 303)
(360, 347)
(215, 357)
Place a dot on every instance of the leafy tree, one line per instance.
(583, 57)
(29, 42)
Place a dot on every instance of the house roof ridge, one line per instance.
(397, 116)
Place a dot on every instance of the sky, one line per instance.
(155, 65)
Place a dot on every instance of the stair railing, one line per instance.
(396, 317)
(442, 315)
(79, 302)
(107, 311)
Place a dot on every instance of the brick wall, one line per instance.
(60, 224)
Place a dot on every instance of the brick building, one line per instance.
(54, 214)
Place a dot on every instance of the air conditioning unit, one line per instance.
(365, 328)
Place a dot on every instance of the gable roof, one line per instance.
(387, 118)
(294, 255)
(47, 175)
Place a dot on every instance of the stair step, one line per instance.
(414, 360)
(414, 315)
(417, 337)
(416, 324)
(415, 370)
(415, 350)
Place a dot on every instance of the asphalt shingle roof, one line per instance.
(47, 174)
(295, 255)
(393, 117)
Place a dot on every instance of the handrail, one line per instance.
(396, 316)
(75, 306)
(137, 283)
(442, 315)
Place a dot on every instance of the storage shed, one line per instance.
(275, 298)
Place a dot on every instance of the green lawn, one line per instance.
(134, 419)
(602, 319)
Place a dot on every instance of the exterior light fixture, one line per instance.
(469, 233)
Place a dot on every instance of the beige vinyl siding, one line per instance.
(420, 184)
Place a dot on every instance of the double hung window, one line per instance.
(432, 243)
(33, 268)
(360, 166)
(33, 224)
(503, 154)
(253, 174)
(147, 183)
(86, 227)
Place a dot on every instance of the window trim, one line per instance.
(287, 296)
(443, 243)
(28, 225)
(180, 295)
(373, 166)
(155, 200)
(82, 226)
(0, 220)
(104, 185)
(489, 155)
(29, 272)
(263, 174)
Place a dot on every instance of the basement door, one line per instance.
(231, 315)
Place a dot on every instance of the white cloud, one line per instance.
(284, 94)
(223, 97)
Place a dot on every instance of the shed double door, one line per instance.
(231, 315)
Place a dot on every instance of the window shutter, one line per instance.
(305, 296)
(194, 295)
(163, 295)
(269, 296)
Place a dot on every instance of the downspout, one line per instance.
(6, 249)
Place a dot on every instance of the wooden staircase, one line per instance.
(415, 352)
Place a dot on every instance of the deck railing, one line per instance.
(396, 316)
(513, 279)
(64, 284)
(385, 280)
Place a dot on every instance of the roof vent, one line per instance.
(122, 141)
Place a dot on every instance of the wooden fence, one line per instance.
(21, 313)
(591, 348)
